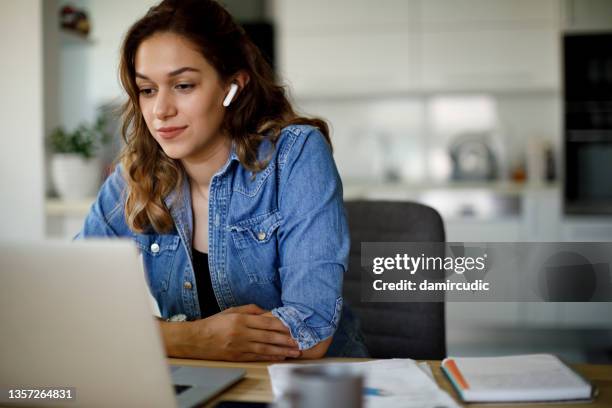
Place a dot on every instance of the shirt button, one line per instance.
(155, 247)
(187, 285)
(261, 236)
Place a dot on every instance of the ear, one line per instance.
(241, 78)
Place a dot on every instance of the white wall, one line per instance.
(110, 21)
(21, 118)
(75, 102)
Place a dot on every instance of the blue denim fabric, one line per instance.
(279, 240)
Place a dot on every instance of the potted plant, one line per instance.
(75, 168)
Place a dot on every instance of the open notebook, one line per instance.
(524, 378)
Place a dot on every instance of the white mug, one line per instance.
(321, 386)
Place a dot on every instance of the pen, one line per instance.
(375, 392)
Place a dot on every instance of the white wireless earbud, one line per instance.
(230, 95)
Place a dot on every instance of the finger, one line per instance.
(259, 357)
(246, 309)
(270, 337)
(270, 350)
(266, 323)
(252, 309)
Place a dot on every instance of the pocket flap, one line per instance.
(259, 229)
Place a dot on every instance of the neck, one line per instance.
(201, 169)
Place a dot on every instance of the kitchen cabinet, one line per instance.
(540, 315)
(542, 215)
(470, 230)
(490, 59)
(482, 314)
(418, 46)
(566, 315)
(490, 44)
(587, 228)
(585, 315)
(324, 50)
(471, 14)
(587, 15)
(333, 64)
(318, 16)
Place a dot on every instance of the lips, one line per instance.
(169, 132)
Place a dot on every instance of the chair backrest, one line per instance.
(392, 329)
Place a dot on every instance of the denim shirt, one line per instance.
(278, 239)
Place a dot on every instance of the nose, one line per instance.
(164, 105)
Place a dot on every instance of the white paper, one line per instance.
(427, 370)
(404, 382)
(536, 377)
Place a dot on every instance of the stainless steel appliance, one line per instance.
(588, 123)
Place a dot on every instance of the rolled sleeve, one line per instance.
(313, 240)
(307, 336)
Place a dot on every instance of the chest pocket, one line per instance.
(158, 253)
(256, 243)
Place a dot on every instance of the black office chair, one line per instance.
(394, 330)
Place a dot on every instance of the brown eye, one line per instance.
(184, 87)
(146, 91)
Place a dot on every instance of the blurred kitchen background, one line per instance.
(498, 113)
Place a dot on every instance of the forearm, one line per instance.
(236, 334)
(176, 337)
(318, 351)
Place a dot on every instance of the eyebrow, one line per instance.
(171, 74)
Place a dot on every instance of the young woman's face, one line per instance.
(181, 96)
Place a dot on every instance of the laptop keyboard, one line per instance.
(179, 389)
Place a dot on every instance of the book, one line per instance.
(521, 378)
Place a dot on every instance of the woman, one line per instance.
(234, 200)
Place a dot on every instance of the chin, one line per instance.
(174, 152)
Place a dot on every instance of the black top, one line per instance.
(206, 295)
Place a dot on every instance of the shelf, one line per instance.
(355, 187)
(57, 207)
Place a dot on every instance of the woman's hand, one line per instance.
(237, 334)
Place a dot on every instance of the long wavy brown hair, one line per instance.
(262, 110)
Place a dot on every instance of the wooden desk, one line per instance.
(256, 385)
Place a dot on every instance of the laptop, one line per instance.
(77, 315)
